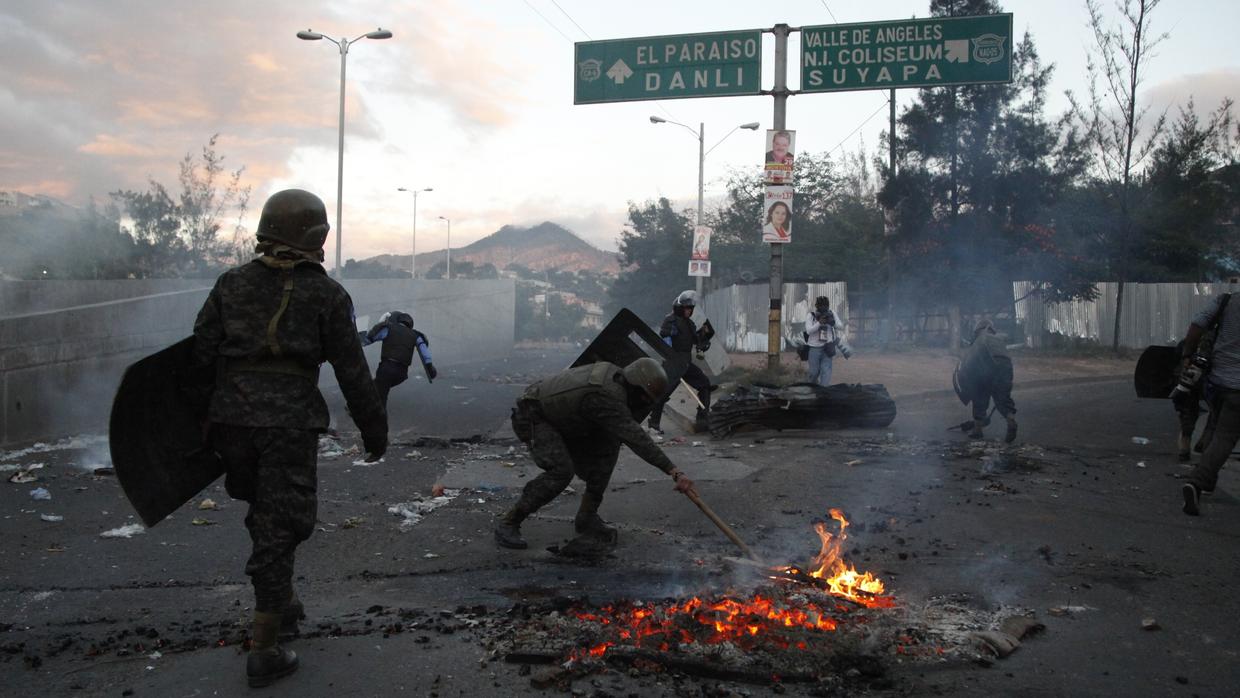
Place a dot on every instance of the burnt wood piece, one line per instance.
(803, 406)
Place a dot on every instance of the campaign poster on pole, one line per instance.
(777, 214)
(699, 267)
(701, 242)
(780, 150)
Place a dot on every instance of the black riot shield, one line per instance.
(156, 434)
(1156, 372)
(624, 340)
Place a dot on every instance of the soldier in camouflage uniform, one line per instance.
(574, 423)
(265, 328)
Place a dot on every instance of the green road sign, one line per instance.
(668, 67)
(906, 53)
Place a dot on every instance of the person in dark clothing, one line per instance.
(1221, 319)
(681, 334)
(574, 423)
(987, 367)
(400, 341)
(264, 330)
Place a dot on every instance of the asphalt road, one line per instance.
(1075, 524)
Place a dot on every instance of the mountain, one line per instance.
(544, 246)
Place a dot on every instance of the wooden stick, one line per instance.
(693, 393)
(727, 530)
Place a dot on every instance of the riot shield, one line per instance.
(1155, 374)
(156, 434)
(624, 340)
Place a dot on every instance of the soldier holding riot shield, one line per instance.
(264, 330)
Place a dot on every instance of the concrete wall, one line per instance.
(65, 344)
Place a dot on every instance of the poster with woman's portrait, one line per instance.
(701, 242)
(780, 149)
(777, 215)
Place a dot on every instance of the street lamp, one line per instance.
(700, 135)
(413, 248)
(343, 45)
(449, 222)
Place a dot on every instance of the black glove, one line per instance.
(431, 373)
(375, 447)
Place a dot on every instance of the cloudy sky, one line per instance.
(470, 97)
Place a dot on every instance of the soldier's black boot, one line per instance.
(295, 611)
(268, 662)
(508, 529)
(1010, 435)
(588, 521)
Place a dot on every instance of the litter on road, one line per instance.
(40, 493)
(126, 531)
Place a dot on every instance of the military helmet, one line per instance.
(403, 318)
(983, 325)
(296, 218)
(647, 374)
(686, 299)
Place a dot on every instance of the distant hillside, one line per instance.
(544, 246)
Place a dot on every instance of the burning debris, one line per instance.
(826, 622)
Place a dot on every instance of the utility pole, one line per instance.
(701, 169)
(780, 93)
(889, 224)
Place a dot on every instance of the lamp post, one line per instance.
(413, 247)
(449, 222)
(700, 135)
(343, 44)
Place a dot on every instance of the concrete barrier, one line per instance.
(64, 344)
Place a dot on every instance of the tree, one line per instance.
(654, 251)
(981, 171)
(1189, 200)
(181, 236)
(1113, 118)
(354, 269)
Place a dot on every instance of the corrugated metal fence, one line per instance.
(740, 313)
(1153, 313)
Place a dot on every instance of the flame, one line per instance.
(836, 576)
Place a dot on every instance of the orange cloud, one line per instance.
(111, 146)
(175, 112)
(264, 62)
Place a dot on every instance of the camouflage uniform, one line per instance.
(574, 423)
(266, 327)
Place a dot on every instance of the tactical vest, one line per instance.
(560, 396)
(685, 338)
(399, 345)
